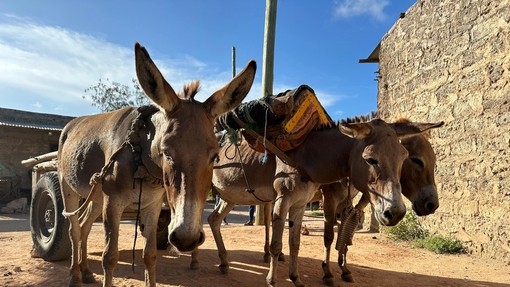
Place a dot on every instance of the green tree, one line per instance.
(109, 95)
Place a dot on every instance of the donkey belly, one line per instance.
(255, 188)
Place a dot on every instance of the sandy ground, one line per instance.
(374, 260)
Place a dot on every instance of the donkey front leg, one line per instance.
(296, 214)
(215, 219)
(279, 215)
(149, 226)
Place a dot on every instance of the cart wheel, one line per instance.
(162, 231)
(50, 229)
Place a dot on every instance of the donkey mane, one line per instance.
(190, 90)
(360, 119)
(357, 119)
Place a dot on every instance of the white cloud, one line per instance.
(52, 66)
(351, 8)
(56, 64)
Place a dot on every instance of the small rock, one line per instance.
(17, 269)
(304, 230)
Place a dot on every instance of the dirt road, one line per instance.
(374, 260)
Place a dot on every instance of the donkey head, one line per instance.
(417, 180)
(184, 145)
(375, 167)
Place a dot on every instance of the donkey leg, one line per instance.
(86, 221)
(112, 212)
(71, 203)
(194, 265)
(342, 262)
(267, 224)
(329, 207)
(296, 214)
(215, 219)
(149, 227)
(279, 214)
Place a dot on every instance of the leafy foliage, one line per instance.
(109, 95)
(409, 229)
(440, 244)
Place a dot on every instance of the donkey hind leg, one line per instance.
(112, 213)
(267, 226)
(215, 219)
(71, 203)
(279, 215)
(330, 220)
(86, 220)
(149, 225)
(296, 214)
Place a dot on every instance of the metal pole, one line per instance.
(233, 61)
(267, 71)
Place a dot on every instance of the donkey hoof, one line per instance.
(88, 278)
(223, 269)
(194, 266)
(75, 282)
(329, 281)
(267, 258)
(347, 277)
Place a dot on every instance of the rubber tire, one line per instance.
(50, 229)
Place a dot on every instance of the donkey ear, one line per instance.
(409, 129)
(152, 82)
(232, 94)
(356, 130)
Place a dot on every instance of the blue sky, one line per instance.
(51, 51)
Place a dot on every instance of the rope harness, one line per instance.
(349, 221)
(235, 140)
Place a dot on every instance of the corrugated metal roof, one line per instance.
(31, 126)
(31, 120)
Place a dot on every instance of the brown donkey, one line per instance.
(373, 155)
(418, 185)
(133, 157)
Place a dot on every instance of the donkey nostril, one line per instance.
(430, 206)
(388, 214)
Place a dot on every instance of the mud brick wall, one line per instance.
(449, 60)
(18, 144)
(24, 135)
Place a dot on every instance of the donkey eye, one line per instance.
(418, 162)
(371, 161)
(168, 156)
(215, 158)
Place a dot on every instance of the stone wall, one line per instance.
(449, 60)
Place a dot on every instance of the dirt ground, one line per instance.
(374, 260)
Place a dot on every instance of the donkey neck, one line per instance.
(325, 155)
(151, 138)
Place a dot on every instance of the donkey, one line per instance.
(370, 151)
(132, 159)
(418, 185)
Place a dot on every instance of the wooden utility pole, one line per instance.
(267, 70)
(268, 53)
